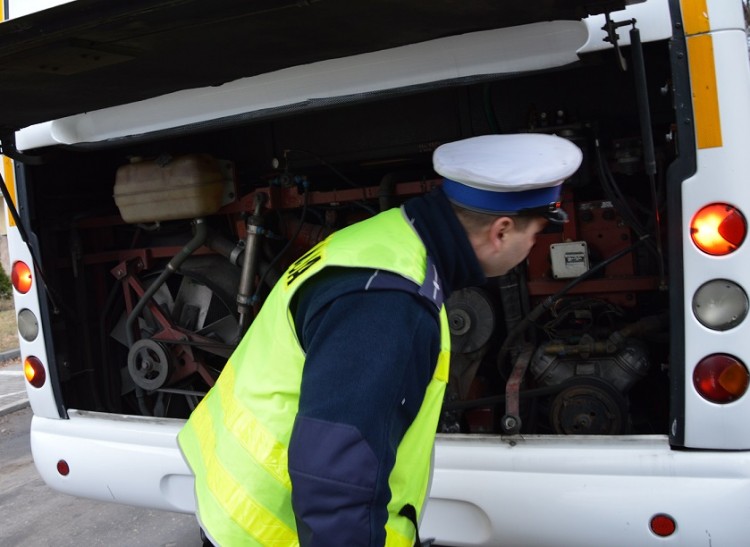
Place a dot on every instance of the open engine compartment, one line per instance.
(593, 358)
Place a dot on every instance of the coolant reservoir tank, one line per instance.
(177, 188)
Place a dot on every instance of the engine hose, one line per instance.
(548, 302)
(233, 252)
(614, 343)
(386, 192)
(614, 194)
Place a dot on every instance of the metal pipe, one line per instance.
(647, 140)
(199, 236)
(511, 421)
(250, 264)
(641, 89)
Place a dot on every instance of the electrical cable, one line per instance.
(548, 302)
(336, 172)
(612, 190)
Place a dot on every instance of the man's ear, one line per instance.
(499, 230)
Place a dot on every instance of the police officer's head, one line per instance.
(505, 188)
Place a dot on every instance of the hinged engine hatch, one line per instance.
(91, 54)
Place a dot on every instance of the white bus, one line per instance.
(164, 160)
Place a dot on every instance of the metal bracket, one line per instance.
(610, 27)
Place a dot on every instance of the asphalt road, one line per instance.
(33, 515)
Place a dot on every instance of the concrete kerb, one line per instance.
(12, 387)
(12, 407)
(10, 354)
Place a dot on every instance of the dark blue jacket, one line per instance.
(369, 358)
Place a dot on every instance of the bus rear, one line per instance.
(164, 162)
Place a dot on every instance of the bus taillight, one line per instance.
(718, 229)
(20, 277)
(33, 370)
(720, 304)
(721, 378)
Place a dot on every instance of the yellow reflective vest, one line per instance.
(236, 440)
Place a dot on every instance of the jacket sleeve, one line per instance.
(369, 358)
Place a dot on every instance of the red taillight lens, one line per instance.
(718, 229)
(721, 378)
(20, 277)
(663, 525)
(34, 371)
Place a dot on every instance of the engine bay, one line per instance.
(159, 251)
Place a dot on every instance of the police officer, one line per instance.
(320, 428)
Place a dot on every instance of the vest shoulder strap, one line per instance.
(431, 290)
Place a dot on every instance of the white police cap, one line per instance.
(508, 174)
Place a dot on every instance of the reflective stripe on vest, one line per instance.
(236, 439)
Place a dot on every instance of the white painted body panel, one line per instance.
(42, 400)
(584, 491)
(486, 490)
(125, 459)
(19, 8)
(721, 176)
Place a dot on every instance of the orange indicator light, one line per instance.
(33, 370)
(20, 277)
(718, 229)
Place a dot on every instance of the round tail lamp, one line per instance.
(718, 229)
(20, 277)
(720, 304)
(34, 372)
(721, 378)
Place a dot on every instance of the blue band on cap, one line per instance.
(499, 202)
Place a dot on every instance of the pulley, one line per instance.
(149, 364)
(588, 406)
(471, 319)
